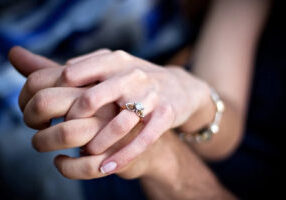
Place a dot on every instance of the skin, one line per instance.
(92, 87)
(118, 85)
(166, 155)
(224, 57)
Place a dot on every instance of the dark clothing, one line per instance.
(254, 170)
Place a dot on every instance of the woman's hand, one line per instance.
(43, 99)
(169, 95)
(168, 155)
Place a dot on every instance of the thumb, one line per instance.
(26, 62)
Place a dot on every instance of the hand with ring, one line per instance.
(87, 86)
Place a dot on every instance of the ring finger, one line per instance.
(121, 125)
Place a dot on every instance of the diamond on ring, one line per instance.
(136, 107)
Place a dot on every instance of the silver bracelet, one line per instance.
(206, 133)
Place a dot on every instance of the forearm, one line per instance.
(178, 173)
(224, 58)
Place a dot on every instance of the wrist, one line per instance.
(197, 104)
(178, 173)
(198, 94)
(161, 157)
(164, 169)
(203, 116)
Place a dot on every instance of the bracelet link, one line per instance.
(206, 133)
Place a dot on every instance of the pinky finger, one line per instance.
(161, 120)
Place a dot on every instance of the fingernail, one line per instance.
(108, 167)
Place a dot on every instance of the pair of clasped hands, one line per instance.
(88, 92)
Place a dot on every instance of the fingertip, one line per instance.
(13, 52)
(18, 56)
(58, 159)
(27, 62)
(58, 163)
(15, 48)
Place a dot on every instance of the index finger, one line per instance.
(27, 62)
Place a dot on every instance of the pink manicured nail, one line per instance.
(108, 167)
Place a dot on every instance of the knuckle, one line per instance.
(67, 76)
(138, 74)
(167, 112)
(89, 169)
(120, 54)
(40, 102)
(32, 82)
(65, 135)
(87, 101)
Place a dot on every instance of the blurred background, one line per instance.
(156, 30)
(61, 29)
